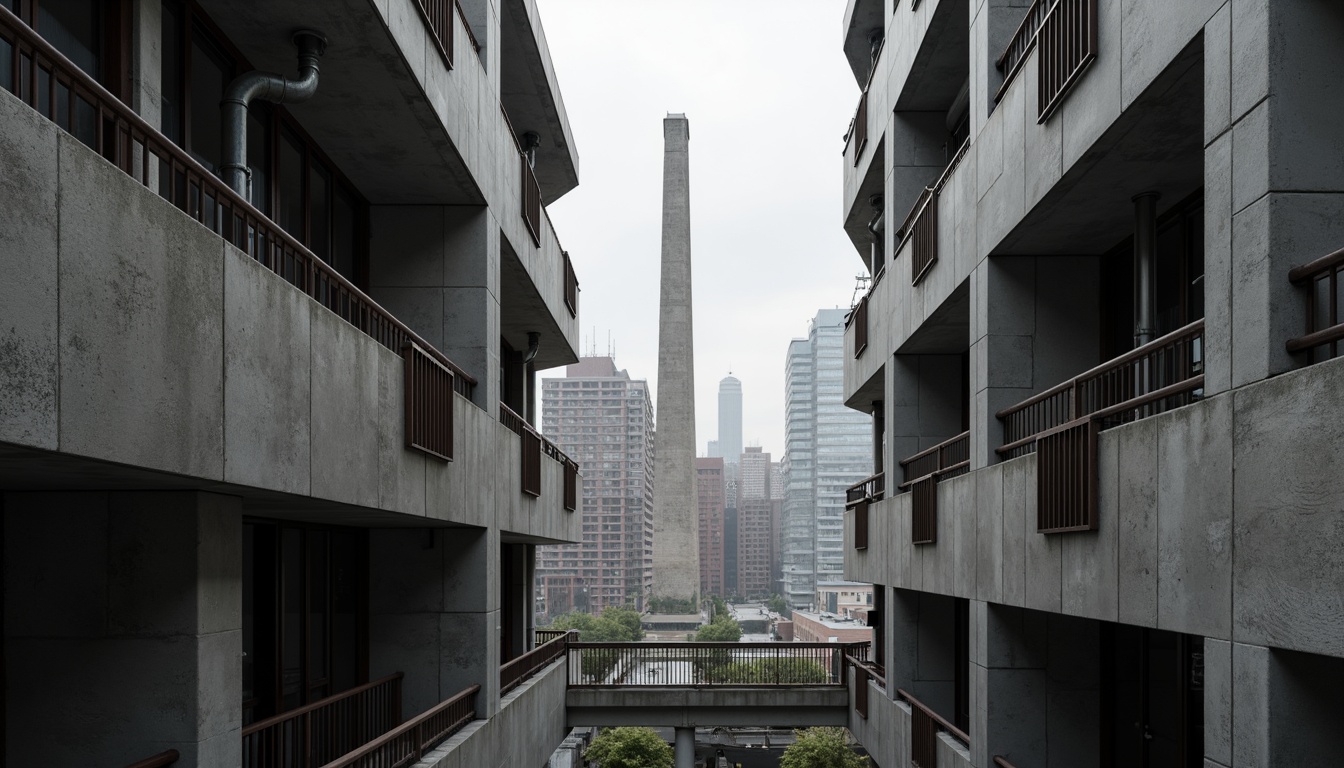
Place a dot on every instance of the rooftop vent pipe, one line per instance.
(267, 87)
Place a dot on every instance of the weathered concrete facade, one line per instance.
(191, 434)
(676, 531)
(1217, 534)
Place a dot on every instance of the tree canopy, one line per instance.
(724, 629)
(821, 748)
(776, 670)
(776, 604)
(630, 748)
(615, 625)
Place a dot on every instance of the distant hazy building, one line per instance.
(827, 448)
(712, 450)
(729, 443)
(604, 420)
(709, 489)
(756, 542)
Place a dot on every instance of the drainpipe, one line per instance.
(267, 87)
(1145, 254)
(875, 227)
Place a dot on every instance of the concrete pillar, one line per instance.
(437, 269)
(123, 627)
(1273, 176)
(685, 748)
(925, 396)
(918, 148)
(434, 613)
(676, 532)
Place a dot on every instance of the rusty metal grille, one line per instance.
(571, 485)
(1068, 44)
(531, 201)
(531, 465)
(1066, 478)
(860, 321)
(949, 458)
(860, 138)
(571, 287)
(924, 510)
(1325, 296)
(925, 249)
(438, 16)
(315, 734)
(60, 91)
(924, 727)
(861, 524)
(861, 691)
(859, 497)
(1024, 39)
(429, 404)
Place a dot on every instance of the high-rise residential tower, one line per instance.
(709, 491)
(676, 534)
(828, 447)
(604, 420)
(730, 418)
(756, 544)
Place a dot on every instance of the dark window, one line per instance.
(289, 207)
(75, 28)
(170, 73)
(210, 73)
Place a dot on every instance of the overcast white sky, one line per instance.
(769, 95)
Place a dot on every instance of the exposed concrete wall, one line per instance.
(528, 727)
(123, 628)
(923, 405)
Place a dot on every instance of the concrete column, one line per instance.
(926, 405)
(685, 748)
(123, 627)
(434, 613)
(676, 532)
(918, 149)
(1273, 175)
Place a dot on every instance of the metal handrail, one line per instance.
(517, 671)
(410, 733)
(470, 35)
(708, 664)
(934, 449)
(1002, 762)
(164, 758)
(953, 730)
(872, 670)
(870, 488)
(1328, 267)
(156, 144)
(262, 725)
(936, 187)
(937, 450)
(1304, 272)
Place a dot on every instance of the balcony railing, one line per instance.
(520, 670)
(1068, 44)
(406, 744)
(924, 727)
(863, 672)
(161, 760)
(859, 497)
(534, 446)
(1024, 39)
(859, 319)
(1325, 326)
(542, 636)
(571, 287)
(58, 89)
(318, 733)
(921, 224)
(859, 140)
(1061, 423)
(429, 404)
(922, 472)
(709, 665)
(1002, 762)
(571, 484)
(438, 17)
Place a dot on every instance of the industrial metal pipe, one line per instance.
(1145, 255)
(267, 87)
(684, 747)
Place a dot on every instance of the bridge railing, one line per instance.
(703, 665)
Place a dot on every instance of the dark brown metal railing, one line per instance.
(1066, 476)
(429, 404)
(859, 497)
(1068, 44)
(924, 727)
(531, 201)
(1002, 762)
(921, 224)
(859, 320)
(1325, 327)
(164, 758)
(1162, 374)
(438, 17)
(317, 733)
(709, 665)
(50, 83)
(471, 36)
(531, 466)
(534, 446)
(542, 636)
(517, 424)
(520, 670)
(406, 744)
(859, 140)
(571, 485)
(571, 287)
(863, 672)
(922, 472)
(1024, 39)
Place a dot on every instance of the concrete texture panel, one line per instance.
(1194, 501)
(344, 446)
(1218, 74)
(1044, 146)
(1251, 294)
(219, 689)
(1016, 479)
(1250, 157)
(470, 655)
(407, 643)
(1307, 95)
(28, 259)
(422, 309)
(1089, 568)
(1067, 318)
(406, 570)
(266, 378)
(1010, 362)
(1251, 713)
(141, 324)
(1018, 708)
(1289, 533)
(401, 471)
(1218, 701)
(1153, 33)
(1249, 55)
(989, 511)
(1218, 276)
(51, 595)
(965, 551)
(1016, 638)
(407, 246)
(1044, 553)
(1096, 99)
(1136, 448)
(1303, 228)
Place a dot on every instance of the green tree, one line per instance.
(821, 748)
(630, 619)
(630, 748)
(615, 625)
(784, 670)
(580, 621)
(776, 604)
(721, 630)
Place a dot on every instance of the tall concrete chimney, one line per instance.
(676, 530)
